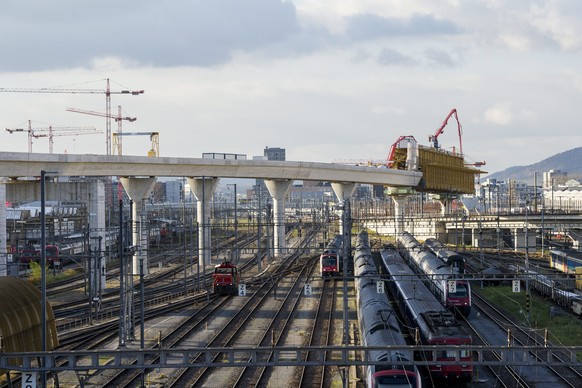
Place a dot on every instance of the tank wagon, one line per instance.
(428, 320)
(438, 274)
(330, 260)
(379, 327)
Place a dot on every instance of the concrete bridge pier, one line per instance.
(139, 189)
(398, 213)
(203, 188)
(445, 207)
(343, 192)
(523, 240)
(279, 190)
(3, 255)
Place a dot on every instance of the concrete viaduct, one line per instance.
(138, 175)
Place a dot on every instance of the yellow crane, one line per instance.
(154, 137)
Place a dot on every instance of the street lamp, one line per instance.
(235, 256)
(43, 271)
(527, 291)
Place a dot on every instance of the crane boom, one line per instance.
(52, 131)
(434, 138)
(118, 119)
(93, 113)
(107, 91)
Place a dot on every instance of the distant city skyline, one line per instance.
(325, 80)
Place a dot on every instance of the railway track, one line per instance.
(321, 335)
(566, 376)
(200, 325)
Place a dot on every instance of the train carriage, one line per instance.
(451, 258)
(437, 274)
(330, 260)
(379, 327)
(425, 314)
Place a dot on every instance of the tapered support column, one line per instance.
(139, 189)
(279, 190)
(97, 236)
(3, 258)
(445, 207)
(343, 191)
(398, 213)
(203, 188)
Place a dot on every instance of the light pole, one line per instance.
(43, 271)
(235, 256)
(527, 291)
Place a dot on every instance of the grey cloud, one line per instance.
(59, 34)
(440, 57)
(388, 56)
(370, 26)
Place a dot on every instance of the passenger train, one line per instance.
(428, 320)
(451, 258)
(31, 252)
(330, 260)
(438, 274)
(379, 326)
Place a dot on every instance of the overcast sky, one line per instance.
(326, 80)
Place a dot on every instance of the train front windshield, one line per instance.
(461, 291)
(328, 261)
(395, 381)
(224, 271)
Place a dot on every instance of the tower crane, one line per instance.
(51, 132)
(108, 92)
(117, 119)
(154, 137)
(434, 138)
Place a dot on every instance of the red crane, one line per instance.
(390, 159)
(108, 92)
(119, 118)
(434, 138)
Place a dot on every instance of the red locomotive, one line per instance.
(225, 279)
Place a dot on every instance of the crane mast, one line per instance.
(108, 92)
(119, 118)
(51, 132)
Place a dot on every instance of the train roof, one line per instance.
(225, 264)
(410, 286)
(436, 323)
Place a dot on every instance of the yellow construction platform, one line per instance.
(442, 171)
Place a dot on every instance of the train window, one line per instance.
(328, 261)
(395, 380)
(461, 291)
(223, 270)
